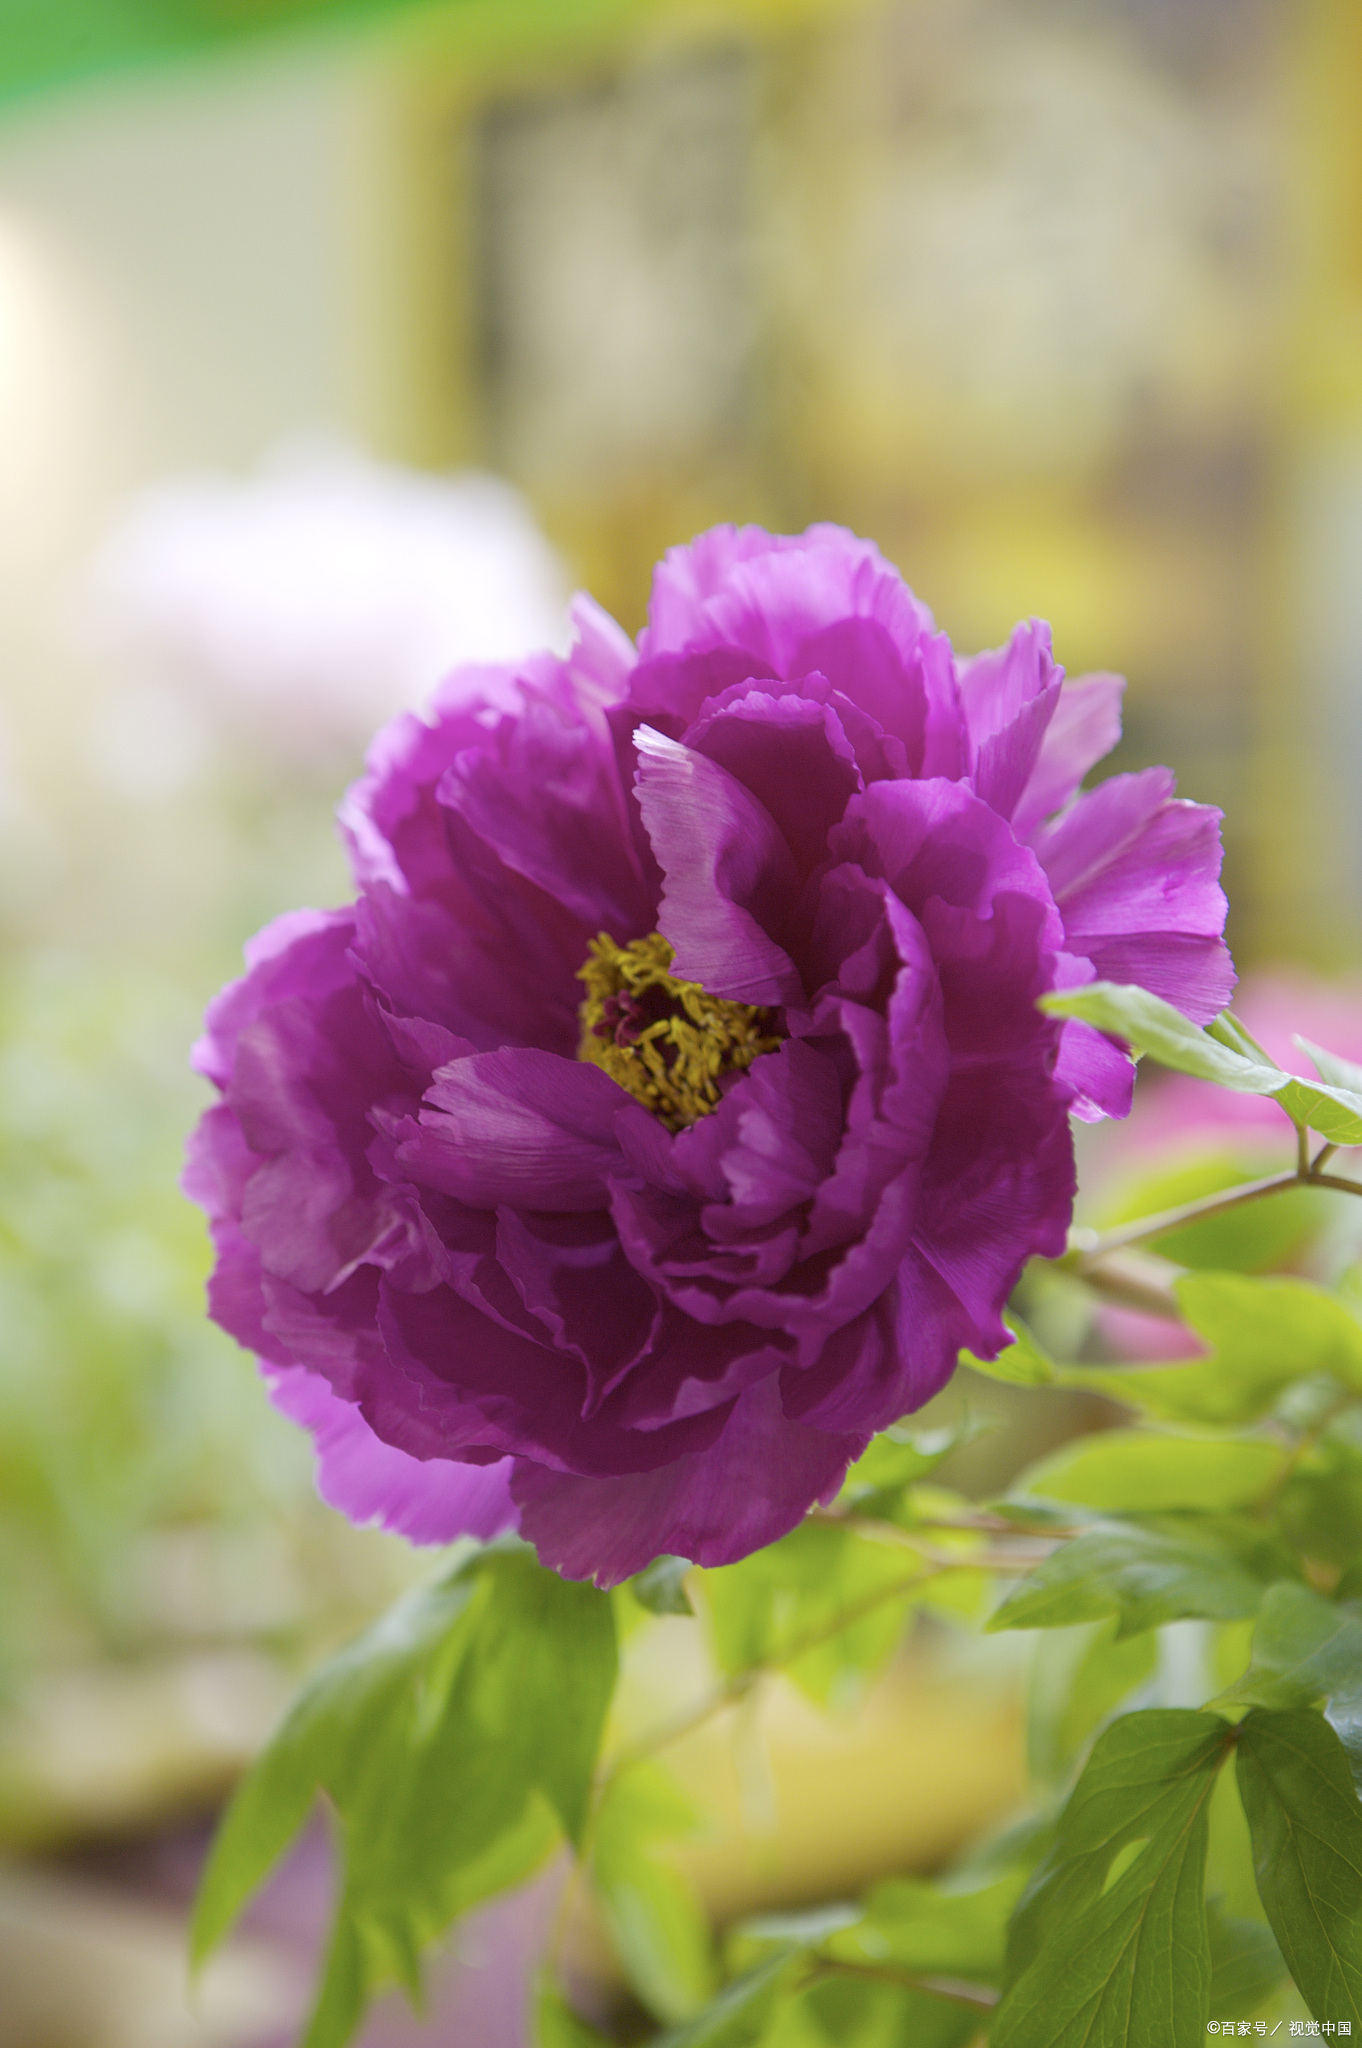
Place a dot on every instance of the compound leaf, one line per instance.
(1263, 1334)
(1304, 1649)
(1109, 1946)
(1306, 1825)
(762, 1610)
(1138, 1471)
(1143, 1575)
(456, 1740)
(657, 1924)
(738, 2016)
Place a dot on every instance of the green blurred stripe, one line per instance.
(46, 43)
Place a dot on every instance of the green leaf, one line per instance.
(1263, 1334)
(1109, 1946)
(855, 2012)
(1254, 1237)
(893, 1461)
(556, 2025)
(1306, 1825)
(1320, 1509)
(931, 1931)
(740, 2012)
(1332, 1067)
(1079, 1678)
(1246, 1963)
(1023, 1364)
(761, 1610)
(455, 1740)
(1126, 1011)
(1344, 1716)
(1304, 1649)
(656, 1922)
(662, 1587)
(1137, 1471)
(1144, 1575)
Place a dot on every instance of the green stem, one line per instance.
(1090, 1247)
(737, 1688)
(979, 1998)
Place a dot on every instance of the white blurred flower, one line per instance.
(308, 603)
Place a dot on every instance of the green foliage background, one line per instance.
(467, 1736)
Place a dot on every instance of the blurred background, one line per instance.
(339, 343)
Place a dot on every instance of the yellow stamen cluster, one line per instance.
(667, 1041)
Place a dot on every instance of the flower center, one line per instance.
(668, 1042)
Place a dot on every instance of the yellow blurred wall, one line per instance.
(1060, 302)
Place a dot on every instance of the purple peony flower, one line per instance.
(672, 1105)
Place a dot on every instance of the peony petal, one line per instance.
(542, 792)
(730, 886)
(520, 1127)
(491, 979)
(463, 1383)
(302, 954)
(688, 577)
(792, 755)
(745, 1490)
(1135, 871)
(573, 1277)
(1085, 727)
(430, 1501)
(1009, 697)
(1098, 1075)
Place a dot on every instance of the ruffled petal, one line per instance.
(430, 1501)
(749, 1487)
(573, 1277)
(519, 1127)
(688, 577)
(1135, 871)
(301, 955)
(457, 1382)
(792, 755)
(730, 883)
(542, 792)
(1009, 697)
(1084, 728)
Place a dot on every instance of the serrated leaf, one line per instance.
(761, 1610)
(1306, 1824)
(738, 2015)
(1128, 1012)
(1304, 1649)
(1137, 1471)
(1024, 1363)
(1264, 1334)
(1109, 1946)
(657, 1924)
(1143, 1575)
(661, 1588)
(455, 1740)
